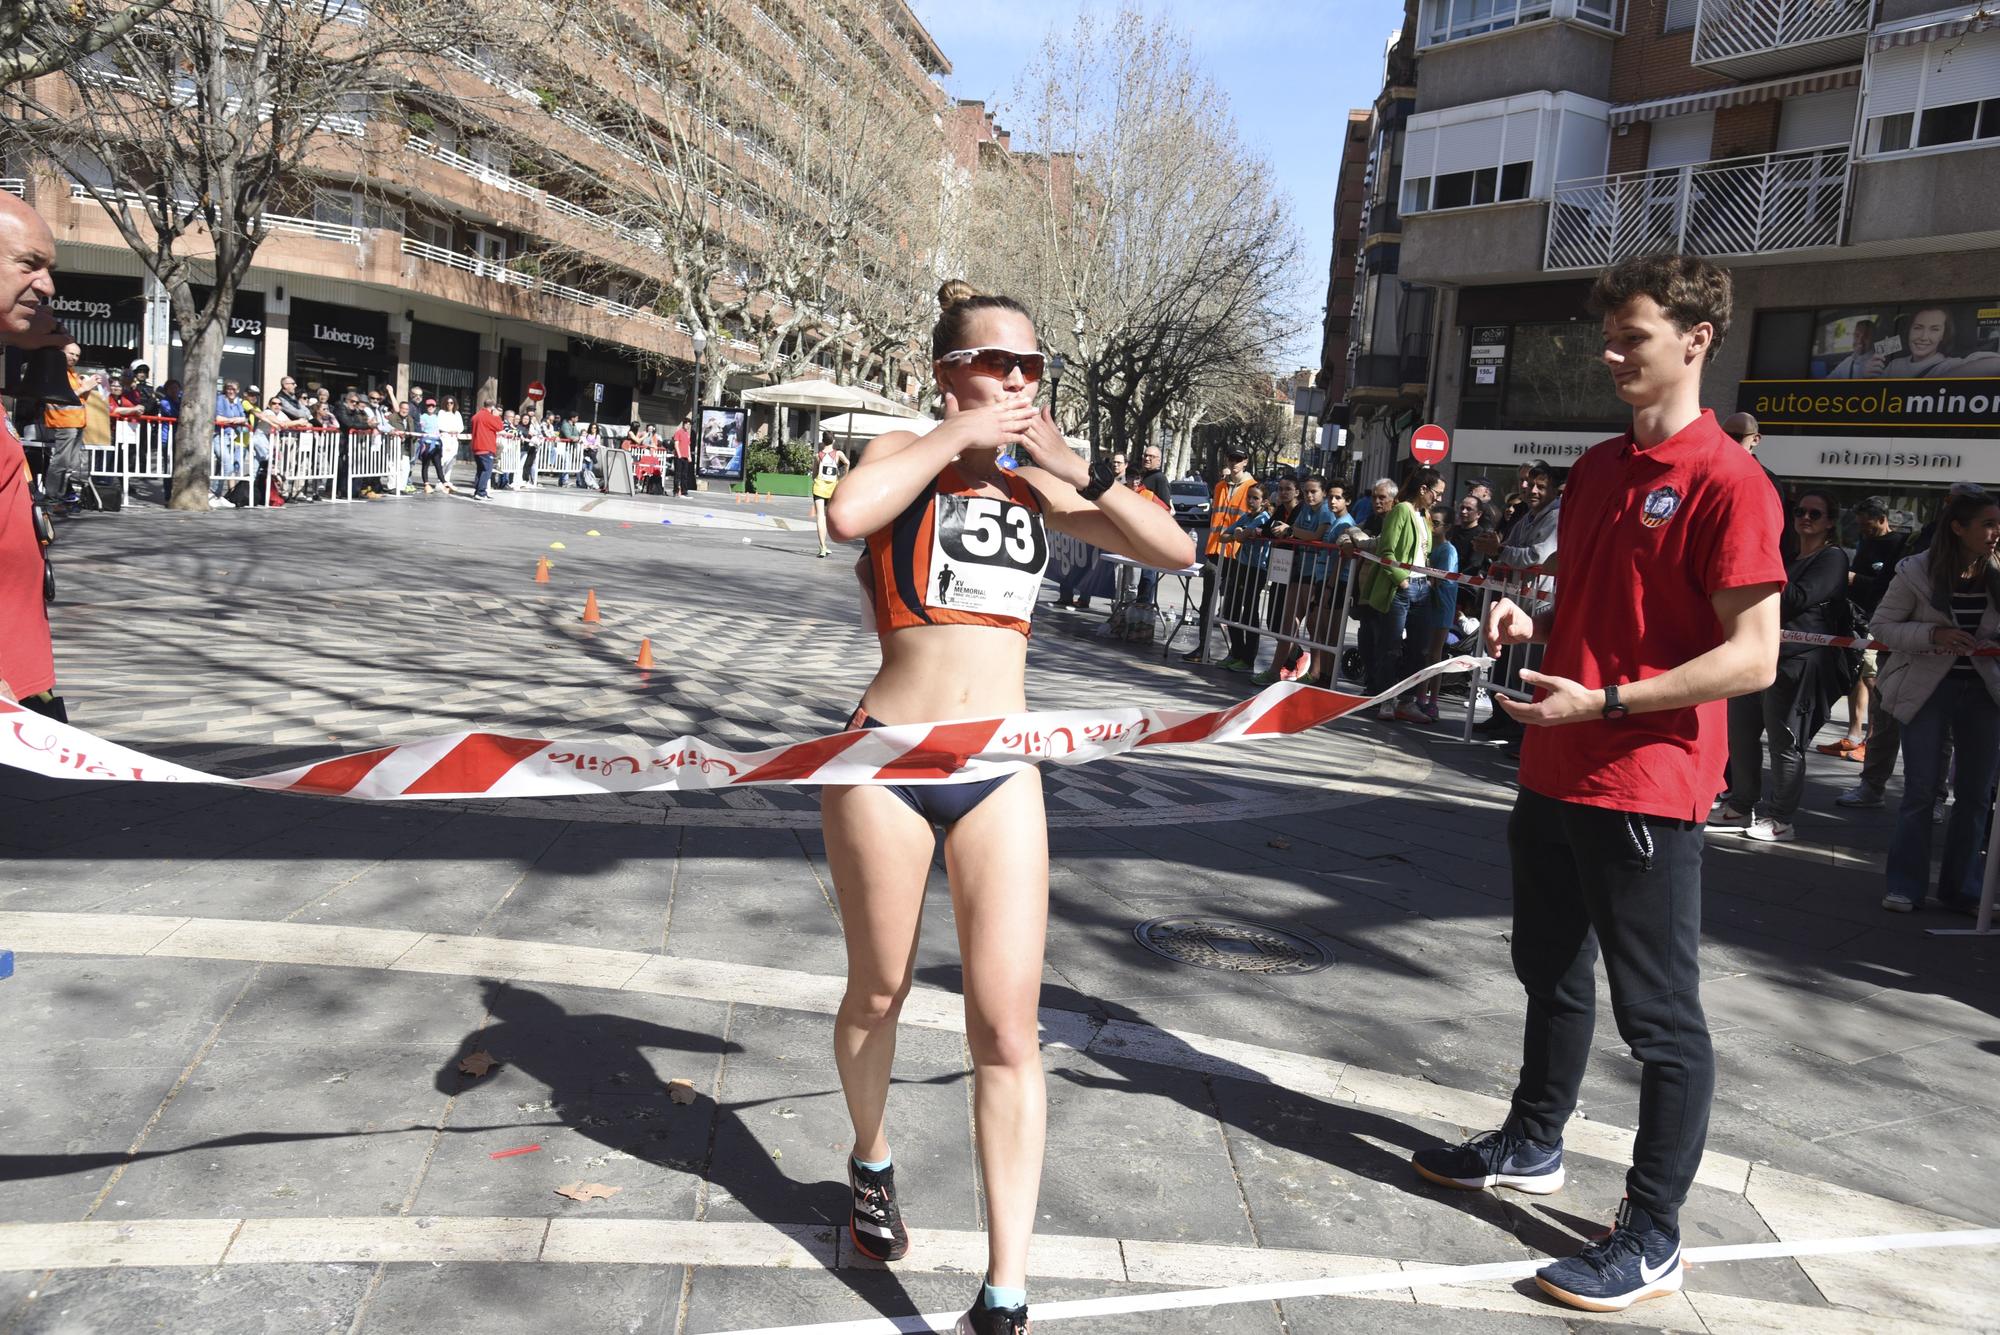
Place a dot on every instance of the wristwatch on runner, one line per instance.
(1612, 709)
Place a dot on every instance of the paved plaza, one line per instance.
(231, 1087)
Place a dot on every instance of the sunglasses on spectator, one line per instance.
(998, 362)
(1807, 512)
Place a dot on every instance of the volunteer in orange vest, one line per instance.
(62, 427)
(1226, 506)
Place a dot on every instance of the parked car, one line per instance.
(1191, 502)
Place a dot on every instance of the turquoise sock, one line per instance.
(995, 1296)
(871, 1167)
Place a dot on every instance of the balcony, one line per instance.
(1758, 39)
(1385, 371)
(1759, 205)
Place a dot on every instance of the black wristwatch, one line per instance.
(1612, 709)
(1101, 478)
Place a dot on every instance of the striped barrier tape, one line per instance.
(486, 764)
(1863, 642)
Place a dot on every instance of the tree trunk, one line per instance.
(194, 435)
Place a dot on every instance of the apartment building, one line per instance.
(1386, 323)
(1842, 157)
(472, 235)
(1349, 209)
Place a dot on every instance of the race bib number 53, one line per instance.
(987, 555)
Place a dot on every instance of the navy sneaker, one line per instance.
(877, 1222)
(1631, 1263)
(1494, 1159)
(980, 1319)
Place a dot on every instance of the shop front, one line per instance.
(445, 361)
(242, 342)
(340, 347)
(106, 316)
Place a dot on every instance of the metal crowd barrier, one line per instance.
(559, 457)
(1302, 594)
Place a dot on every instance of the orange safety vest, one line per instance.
(1226, 507)
(61, 416)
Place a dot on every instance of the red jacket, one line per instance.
(27, 660)
(486, 426)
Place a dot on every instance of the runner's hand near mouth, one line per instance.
(1049, 456)
(995, 426)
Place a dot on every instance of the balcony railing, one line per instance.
(649, 238)
(1795, 200)
(500, 272)
(1748, 39)
(1386, 370)
(14, 185)
(1456, 20)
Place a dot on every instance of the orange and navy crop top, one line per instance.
(957, 558)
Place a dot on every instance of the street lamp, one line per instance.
(700, 342)
(1056, 365)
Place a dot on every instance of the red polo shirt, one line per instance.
(1647, 536)
(486, 426)
(27, 659)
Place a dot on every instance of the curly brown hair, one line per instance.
(1688, 289)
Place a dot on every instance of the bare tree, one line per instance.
(39, 37)
(195, 123)
(1144, 235)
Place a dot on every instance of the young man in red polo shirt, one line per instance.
(1666, 606)
(486, 424)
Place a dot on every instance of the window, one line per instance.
(1934, 95)
(1555, 373)
(1496, 152)
(1456, 20)
(1680, 15)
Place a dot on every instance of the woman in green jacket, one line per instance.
(1387, 592)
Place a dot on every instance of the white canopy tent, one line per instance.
(826, 396)
(867, 426)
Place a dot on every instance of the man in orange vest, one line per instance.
(1226, 506)
(62, 427)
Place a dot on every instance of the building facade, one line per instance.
(1388, 317)
(1841, 157)
(474, 237)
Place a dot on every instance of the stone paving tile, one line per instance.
(1375, 1316)
(481, 1298)
(253, 1300)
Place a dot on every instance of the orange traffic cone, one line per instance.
(645, 659)
(590, 607)
(542, 570)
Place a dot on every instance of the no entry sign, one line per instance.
(1429, 444)
(537, 392)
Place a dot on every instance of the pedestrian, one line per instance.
(829, 466)
(486, 428)
(450, 431)
(1668, 606)
(531, 446)
(62, 428)
(586, 455)
(1529, 545)
(1877, 549)
(27, 323)
(430, 447)
(1941, 606)
(1390, 589)
(684, 457)
(1281, 578)
(1244, 574)
(957, 649)
(1810, 678)
(509, 443)
(1225, 508)
(232, 429)
(1434, 619)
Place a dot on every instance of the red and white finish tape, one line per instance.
(486, 764)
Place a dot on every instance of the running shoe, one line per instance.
(1413, 714)
(1238, 665)
(979, 1319)
(1898, 904)
(1386, 712)
(876, 1224)
(1863, 794)
(1494, 1159)
(1633, 1262)
(1265, 678)
(1767, 831)
(1728, 817)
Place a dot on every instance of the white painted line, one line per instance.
(1381, 1280)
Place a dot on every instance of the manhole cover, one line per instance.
(1223, 943)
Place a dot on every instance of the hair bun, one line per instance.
(955, 291)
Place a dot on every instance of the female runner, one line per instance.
(828, 466)
(956, 546)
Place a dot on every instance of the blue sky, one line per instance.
(1291, 71)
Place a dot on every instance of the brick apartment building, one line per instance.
(418, 271)
(1842, 157)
